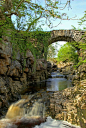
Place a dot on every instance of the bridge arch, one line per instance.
(66, 35)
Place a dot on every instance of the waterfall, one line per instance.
(27, 107)
(38, 109)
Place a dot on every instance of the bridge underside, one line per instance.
(66, 35)
(61, 38)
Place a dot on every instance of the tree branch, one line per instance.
(19, 5)
(9, 14)
(62, 8)
(33, 22)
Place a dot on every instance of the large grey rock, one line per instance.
(6, 48)
(15, 69)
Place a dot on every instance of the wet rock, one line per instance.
(30, 122)
(21, 122)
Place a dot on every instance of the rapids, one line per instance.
(33, 109)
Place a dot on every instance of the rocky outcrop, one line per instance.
(67, 70)
(15, 76)
(70, 104)
(75, 75)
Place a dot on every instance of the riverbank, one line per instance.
(70, 104)
(15, 79)
(16, 76)
(29, 122)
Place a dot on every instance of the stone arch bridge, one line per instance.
(66, 35)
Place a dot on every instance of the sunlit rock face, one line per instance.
(70, 104)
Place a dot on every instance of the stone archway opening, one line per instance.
(70, 36)
(56, 56)
(53, 50)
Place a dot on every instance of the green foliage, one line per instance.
(52, 51)
(27, 12)
(82, 21)
(81, 46)
(40, 43)
(23, 31)
(67, 53)
(35, 41)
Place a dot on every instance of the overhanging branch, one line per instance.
(33, 22)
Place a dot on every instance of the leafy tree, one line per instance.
(81, 46)
(27, 13)
(67, 53)
(82, 21)
(82, 58)
(51, 51)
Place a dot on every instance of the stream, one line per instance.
(33, 107)
(56, 82)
